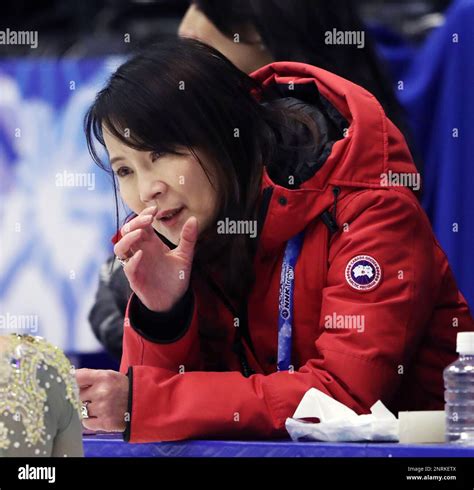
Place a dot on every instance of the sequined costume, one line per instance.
(39, 402)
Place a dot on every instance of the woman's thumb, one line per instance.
(187, 239)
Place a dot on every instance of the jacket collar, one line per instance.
(368, 145)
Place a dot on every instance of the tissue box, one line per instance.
(422, 427)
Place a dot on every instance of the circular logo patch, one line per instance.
(363, 273)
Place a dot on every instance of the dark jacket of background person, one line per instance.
(108, 312)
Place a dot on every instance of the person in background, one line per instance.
(268, 30)
(253, 33)
(108, 311)
(39, 400)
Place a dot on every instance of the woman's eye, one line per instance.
(123, 171)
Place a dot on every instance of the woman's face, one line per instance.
(169, 181)
(247, 57)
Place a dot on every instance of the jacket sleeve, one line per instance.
(168, 340)
(357, 367)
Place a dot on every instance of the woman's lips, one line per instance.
(170, 221)
(166, 212)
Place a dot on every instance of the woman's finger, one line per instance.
(130, 268)
(122, 247)
(86, 377)
(86, 394)
(142, 221)
(187, 241)
(136, 223)
(90, 410)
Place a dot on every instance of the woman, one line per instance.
(266, 31)
(268, 254)
(39, 402)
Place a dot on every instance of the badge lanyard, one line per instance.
(285, 303)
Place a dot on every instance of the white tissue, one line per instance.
(339, 423)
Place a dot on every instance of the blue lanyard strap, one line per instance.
(285, 303)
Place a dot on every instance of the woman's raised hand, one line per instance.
(158, 275)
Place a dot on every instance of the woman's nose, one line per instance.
(150, 190)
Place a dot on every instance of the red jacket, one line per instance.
(410, 305)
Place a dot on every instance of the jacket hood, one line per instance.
(361, 144)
